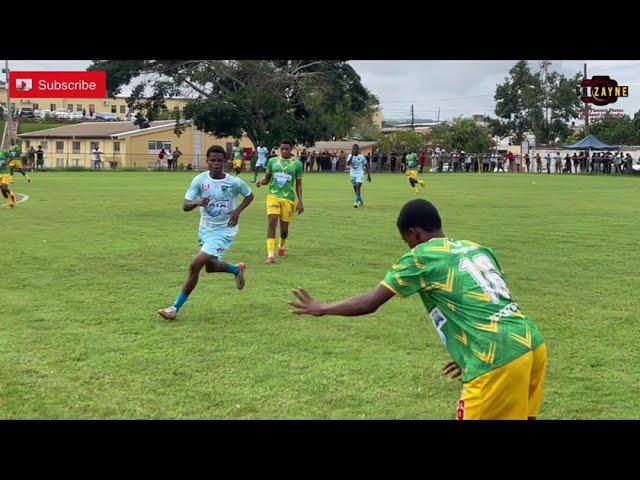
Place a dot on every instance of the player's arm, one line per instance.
(300, 206)
(188, 205)
(353, 307)
(233, 216)
(266, 180)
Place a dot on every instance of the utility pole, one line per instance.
(438, 114)
(411, 116)
(9, 113)
(586, 108)
(544, 66)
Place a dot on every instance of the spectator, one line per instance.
(176, 156)
(169, 160)
(40, 158)
(97, 161)
(160, 160)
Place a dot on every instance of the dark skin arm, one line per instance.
(233, 216)
(188, 205)
(300, 207)
(265, 181)
(352, 307)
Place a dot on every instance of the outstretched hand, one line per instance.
(306, 304)
(452, 369)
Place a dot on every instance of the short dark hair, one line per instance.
(286, 141)
(419, 213)
(216, 149)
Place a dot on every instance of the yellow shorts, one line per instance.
(6, 179)
(237, 164)
(511, 392)
(412, 174)
(15, 164)
(281, 207)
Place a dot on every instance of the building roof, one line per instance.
(97, 130)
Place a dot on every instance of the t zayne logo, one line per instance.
(601, 90)
(24, 84)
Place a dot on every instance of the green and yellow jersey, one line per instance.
(284, 173)
(462, 287)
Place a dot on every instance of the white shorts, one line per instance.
(260, 164)
(356, 178)
(216, 243)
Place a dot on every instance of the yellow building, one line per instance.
(124, 143)
(116, 106)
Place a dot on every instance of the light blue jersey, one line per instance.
(356, 169)
(215, 235)
(357, 164)
(262, 156)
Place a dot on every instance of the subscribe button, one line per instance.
(58, 84)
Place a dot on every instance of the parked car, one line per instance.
(42, 113)
(108, 117)
(26, 112)
(61, 114)
(76, 116)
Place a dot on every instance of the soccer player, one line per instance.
(261, 161)
(237, 157)
(496, 347)
(284, 173)
(215, 193)
(6, 179)
(15, 165)
(357, 166)
(412, 172)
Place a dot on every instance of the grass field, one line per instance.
(90, 257)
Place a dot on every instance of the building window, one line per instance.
(92, 108)
(78, 107)
(75, 147)
(52, 107)
(116, 147)
(70, 108)
(123, 108)
(59, 147)
(156, 145)
(36, 106)
(114, 109)
(44, 145)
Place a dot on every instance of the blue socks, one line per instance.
(234, 269)
(180, 299)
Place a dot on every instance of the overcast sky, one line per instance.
(456, 87)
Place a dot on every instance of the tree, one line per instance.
(563, 104)
(616, 130)
(305, 100)
(519, 101)
(468, 136)
(524, 97)
(401, 140)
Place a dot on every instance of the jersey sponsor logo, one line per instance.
(438, 319)
(510, 310)
(282, 178)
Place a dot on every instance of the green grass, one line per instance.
(90, 257)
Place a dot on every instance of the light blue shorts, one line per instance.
(216, 243)
(357, 178)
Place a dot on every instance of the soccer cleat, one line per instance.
(270, 259)
(168, 313)
(355, 205)
(13, 199)
(281, 251)
(240, 275)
